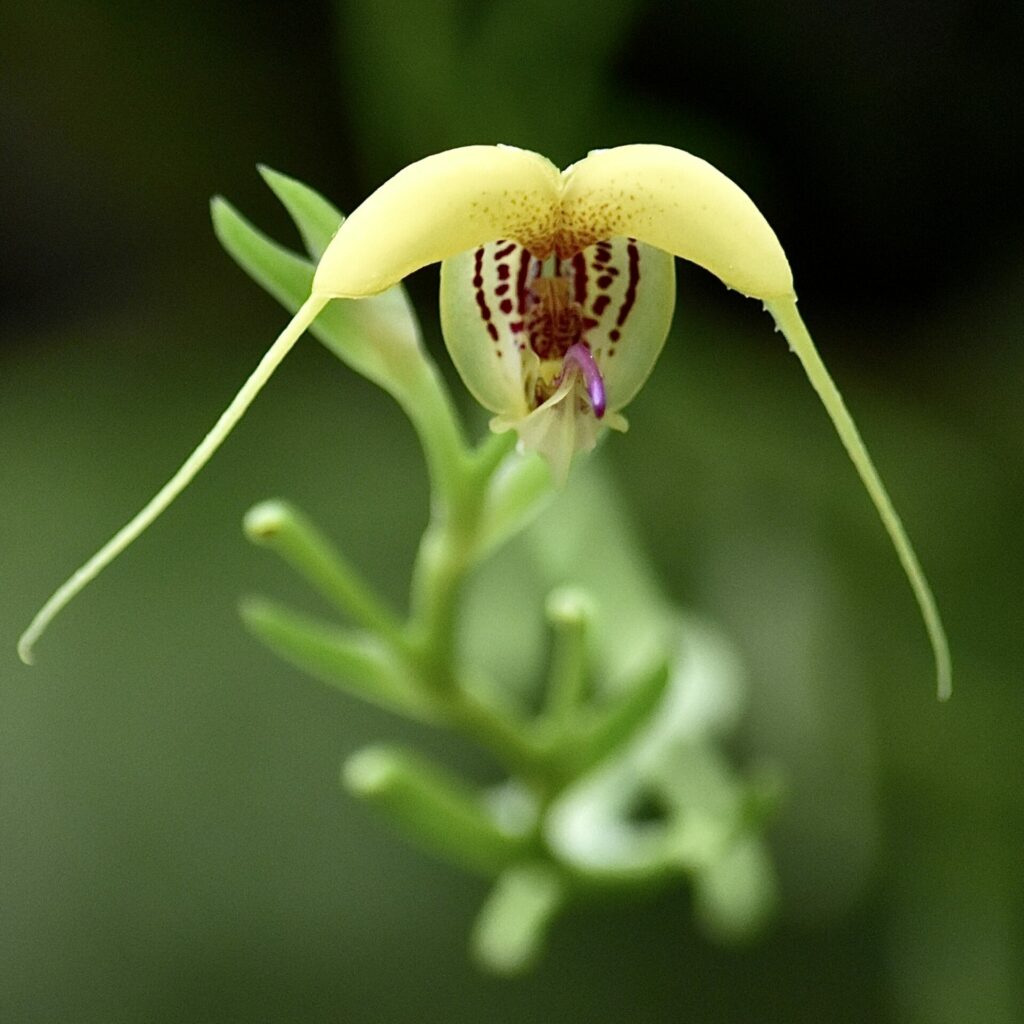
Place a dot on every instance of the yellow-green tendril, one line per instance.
(177, 483)
(791, 325)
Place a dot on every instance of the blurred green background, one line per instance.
(173, 844)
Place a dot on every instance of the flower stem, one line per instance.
(425, 399)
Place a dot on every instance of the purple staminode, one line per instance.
(578, 359)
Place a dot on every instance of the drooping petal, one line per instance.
(678, 203)
(485, 295)
(435, 208)
(627, 293)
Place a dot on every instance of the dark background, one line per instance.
(173, 845)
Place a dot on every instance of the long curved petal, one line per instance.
(435, 208)
(680, 203)
(177, 483)
(791, 324)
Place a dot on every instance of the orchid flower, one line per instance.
(557, 292)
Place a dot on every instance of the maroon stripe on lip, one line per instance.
(634, 279)
(481, 298)
(506, 251)
(579, 279)
(524, 269)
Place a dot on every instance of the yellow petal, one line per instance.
(679, 203)
(438, 207)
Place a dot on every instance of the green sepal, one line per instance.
(316, 217)
(276, 269)
(358, 663)
(510, 931)
(377, 337)
(433, 808)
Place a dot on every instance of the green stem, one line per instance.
(447, 553)
(504, 737)
(425, 399)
